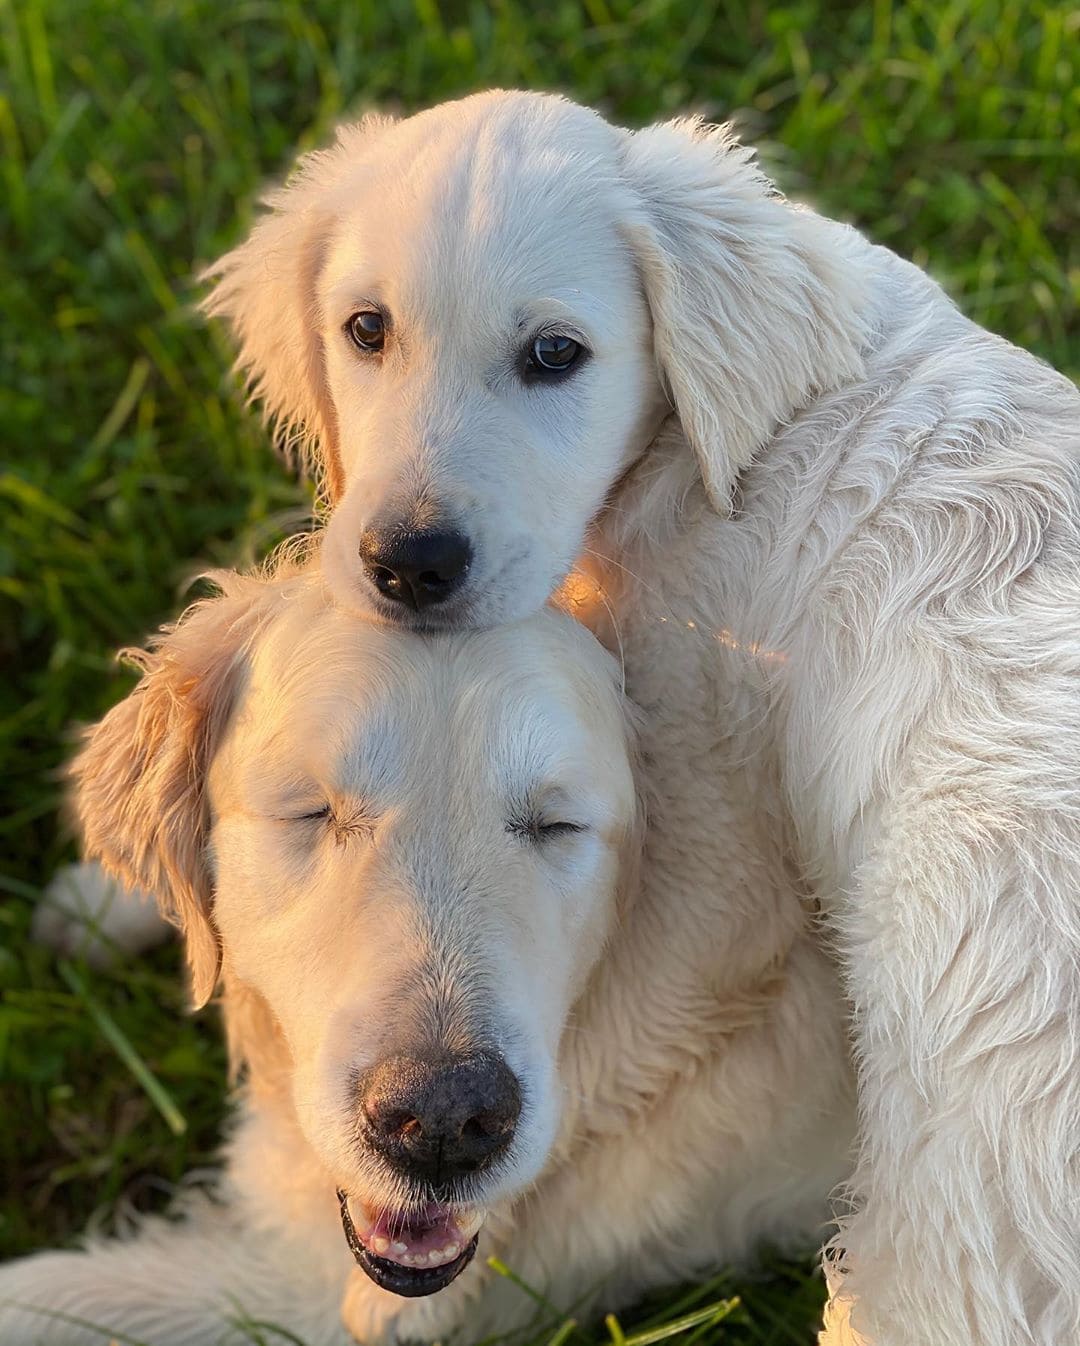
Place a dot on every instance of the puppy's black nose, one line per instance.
(439, 1119)
(417, 569)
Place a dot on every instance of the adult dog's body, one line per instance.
(400, 850)
(843, 580)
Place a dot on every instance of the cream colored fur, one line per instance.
(658, 1138)
(843, 582)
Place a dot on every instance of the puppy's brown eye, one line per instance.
(366, 330)
(554, 353)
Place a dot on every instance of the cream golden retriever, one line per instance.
(463, 1025)
(832, 530)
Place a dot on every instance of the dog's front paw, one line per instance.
(377, 1318)
(85, 912)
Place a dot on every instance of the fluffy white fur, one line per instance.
(658, 1137)
(843, 581)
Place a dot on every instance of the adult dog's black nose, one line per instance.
(417, 569)
(440, 1118)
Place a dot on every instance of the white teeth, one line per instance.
(462, 1227)
(436, 1257)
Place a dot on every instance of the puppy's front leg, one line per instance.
(931, 740)
(960, 944)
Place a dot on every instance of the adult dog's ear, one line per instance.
(266, 290)
(140, 779)
(756, 303)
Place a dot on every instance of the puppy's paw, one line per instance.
(86, 913)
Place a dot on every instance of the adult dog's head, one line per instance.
(479, 316)
(409, 848)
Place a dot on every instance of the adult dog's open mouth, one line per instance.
(412, 1255)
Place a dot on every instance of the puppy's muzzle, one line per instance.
(416, 569)
(434, 1120)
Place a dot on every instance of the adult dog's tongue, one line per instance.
(411, 1254)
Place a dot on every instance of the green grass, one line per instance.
(133, 135)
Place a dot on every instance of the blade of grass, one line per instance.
(113, 1034)
(615, 1332)
(563, 1333)
(707, 1317)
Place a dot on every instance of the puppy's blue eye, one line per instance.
(367, 330)
(554, 353)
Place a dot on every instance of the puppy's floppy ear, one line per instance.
(756, 303)
(140, 779)
(265, 290)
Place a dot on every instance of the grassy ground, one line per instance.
(133, 134)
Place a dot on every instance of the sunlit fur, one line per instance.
(657, 1137)
(856, 482)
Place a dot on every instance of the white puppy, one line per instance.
(842, 576)
(411, 862)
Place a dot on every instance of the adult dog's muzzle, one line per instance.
(435, 1121)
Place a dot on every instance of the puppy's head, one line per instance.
(480, 315)
(409, 848)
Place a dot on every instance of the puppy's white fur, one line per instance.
(658, 1136)
(843, 582)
